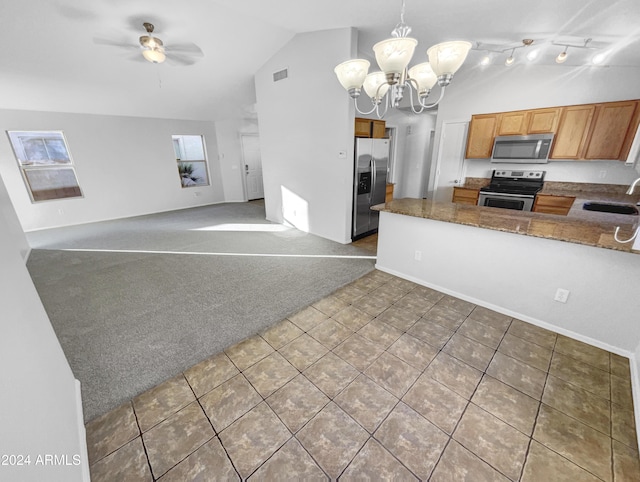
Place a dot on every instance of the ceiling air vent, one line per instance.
(280, 75)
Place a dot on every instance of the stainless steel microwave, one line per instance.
(532, 149)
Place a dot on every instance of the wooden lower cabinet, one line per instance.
(550, 204)
(388, 193)
(463, 195)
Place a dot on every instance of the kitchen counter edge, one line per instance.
(598, 231)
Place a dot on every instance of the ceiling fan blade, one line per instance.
(180, 60)
(113, 43)
(188, 48)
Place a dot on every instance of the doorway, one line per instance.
(252, 163)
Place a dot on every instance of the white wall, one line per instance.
(305, 121)
(40, 410)
(228, 134)
(125, 166)
(496, 88)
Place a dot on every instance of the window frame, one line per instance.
(34, 171)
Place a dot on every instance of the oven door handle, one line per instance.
(504, 194)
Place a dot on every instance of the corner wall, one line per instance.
(305, 121)
(40, 412)
(125, 166)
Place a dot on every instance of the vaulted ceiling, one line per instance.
(70, 56)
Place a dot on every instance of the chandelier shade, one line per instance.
(375, 85)
(424, 76)
(394, 54)
(351, 74)
(447, 57)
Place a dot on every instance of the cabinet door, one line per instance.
(572, 132)
(546, 203)
(513, 123)
(463, 195)
(542, 121)
(610, 128)
(482, 130)
(377, 129)
(362, 127)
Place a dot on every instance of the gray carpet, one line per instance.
(128, 320)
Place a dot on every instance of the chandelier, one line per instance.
(393, 55)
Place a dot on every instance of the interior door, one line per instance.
(252, 166)
(449, 171)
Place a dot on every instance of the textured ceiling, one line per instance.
(69, 56)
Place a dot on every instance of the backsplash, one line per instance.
(595, 172)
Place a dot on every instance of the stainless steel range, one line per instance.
(512, 189)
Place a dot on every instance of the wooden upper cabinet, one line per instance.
(513, 123)
(610, 128)
(369, 128)
(543, 121)
(589, 131)
(378, 129)
(362, 127)
(571, 135)
(482, 130)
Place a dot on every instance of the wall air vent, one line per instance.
(280, 75)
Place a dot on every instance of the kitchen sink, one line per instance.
(610, 208)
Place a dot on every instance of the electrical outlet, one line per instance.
(603, 174)
(418, 256)
(562, 295)
(60, 211)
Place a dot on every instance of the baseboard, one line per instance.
(635, 391)
(513, 314)
(82, 434)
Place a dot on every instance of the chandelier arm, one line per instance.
(413, 108)
(386, 108)
(355, 103)
(428, 106)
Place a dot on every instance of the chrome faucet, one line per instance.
(633, 186)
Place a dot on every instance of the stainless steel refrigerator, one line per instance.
(369, 183)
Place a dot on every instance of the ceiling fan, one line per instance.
(155, 51)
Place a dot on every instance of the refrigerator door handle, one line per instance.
(372, 164)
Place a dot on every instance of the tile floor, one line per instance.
(382, 380)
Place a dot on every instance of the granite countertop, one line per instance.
(583, 227)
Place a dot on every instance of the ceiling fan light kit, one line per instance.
(152, 47)
(393, 56)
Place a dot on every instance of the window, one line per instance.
(46, 165)
(192, 162)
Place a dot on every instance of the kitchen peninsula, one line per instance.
(581, 227)
(514, 262)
